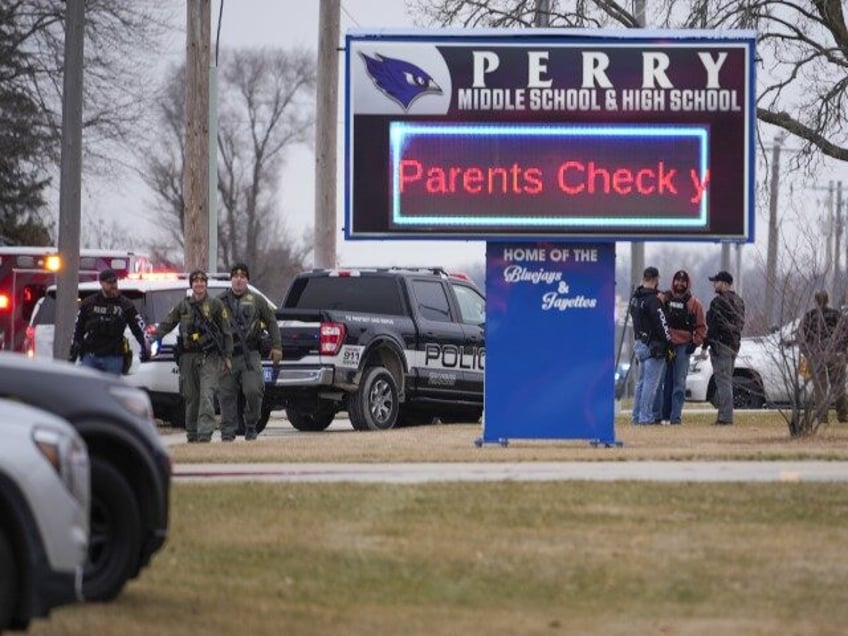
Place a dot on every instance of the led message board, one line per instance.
(537, 134)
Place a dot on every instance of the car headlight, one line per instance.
(69, 457)
(133, 400)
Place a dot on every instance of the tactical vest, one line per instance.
(679, 316)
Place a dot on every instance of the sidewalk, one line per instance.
(416, 473)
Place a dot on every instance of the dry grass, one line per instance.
(759, 435)
(489, 559)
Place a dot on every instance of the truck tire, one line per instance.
(115, 542)
(176, 415)
(264, 416)
(310, 421)
(8, 582)
(374, 406)
(747, 393)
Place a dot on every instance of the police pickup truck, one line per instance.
(389, 346)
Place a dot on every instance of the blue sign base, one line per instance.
(550, 336)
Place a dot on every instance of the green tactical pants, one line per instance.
(246, 378)
(199, 374)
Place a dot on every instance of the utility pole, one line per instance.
(771, 256)
(326, 116)
(70, 185)
(196, 172)
(637, 248)
(543, 13)
(838, 283)
(828, 256)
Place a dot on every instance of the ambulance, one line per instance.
(26, 272)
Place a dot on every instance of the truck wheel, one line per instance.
(263, 419)
(747, 393)
(374, 405)
(176, 415)
(115, 541)
(311, 421)
(8, 582)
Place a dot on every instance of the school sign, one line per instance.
(541, 134)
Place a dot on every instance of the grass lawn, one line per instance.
(496, 558)
(756, 435)
(489, 558)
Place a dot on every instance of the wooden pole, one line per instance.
(196, 172)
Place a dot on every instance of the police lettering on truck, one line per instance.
(450, 356)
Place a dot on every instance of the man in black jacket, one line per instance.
(99, 331)
(652, 344)
(725, 321)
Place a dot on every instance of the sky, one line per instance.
(294, 23)
(290, 24)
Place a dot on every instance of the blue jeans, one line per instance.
(109, 364)
(672, 390)
(650, 374)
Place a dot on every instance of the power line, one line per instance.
(350, 16)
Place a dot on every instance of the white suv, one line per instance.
(44, 508)
(153, 295)
(765, 372)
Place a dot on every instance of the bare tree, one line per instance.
(264, 110)
(802, 49)
(119, 36)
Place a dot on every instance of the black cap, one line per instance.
(197, 274)
(722, 276)
(681, 274)
(108, 275)
(650, 273)
(240, 268)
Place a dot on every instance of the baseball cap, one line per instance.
(650, 273)
(240, 269)
(681, 274)
(722, 276)
(197, 274)
(108, 275)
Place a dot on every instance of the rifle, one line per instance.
(235, 321)
(209, 332)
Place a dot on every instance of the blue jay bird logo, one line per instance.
(401, 81)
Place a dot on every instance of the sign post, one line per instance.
(550, 337)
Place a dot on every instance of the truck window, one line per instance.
(431, 300)
(373, 294)
(472, 306)
(160, 302)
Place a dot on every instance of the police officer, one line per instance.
(99, 330)
(652, 343)
(206, 345)
(249, 314)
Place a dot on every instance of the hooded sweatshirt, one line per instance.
(686, 318)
